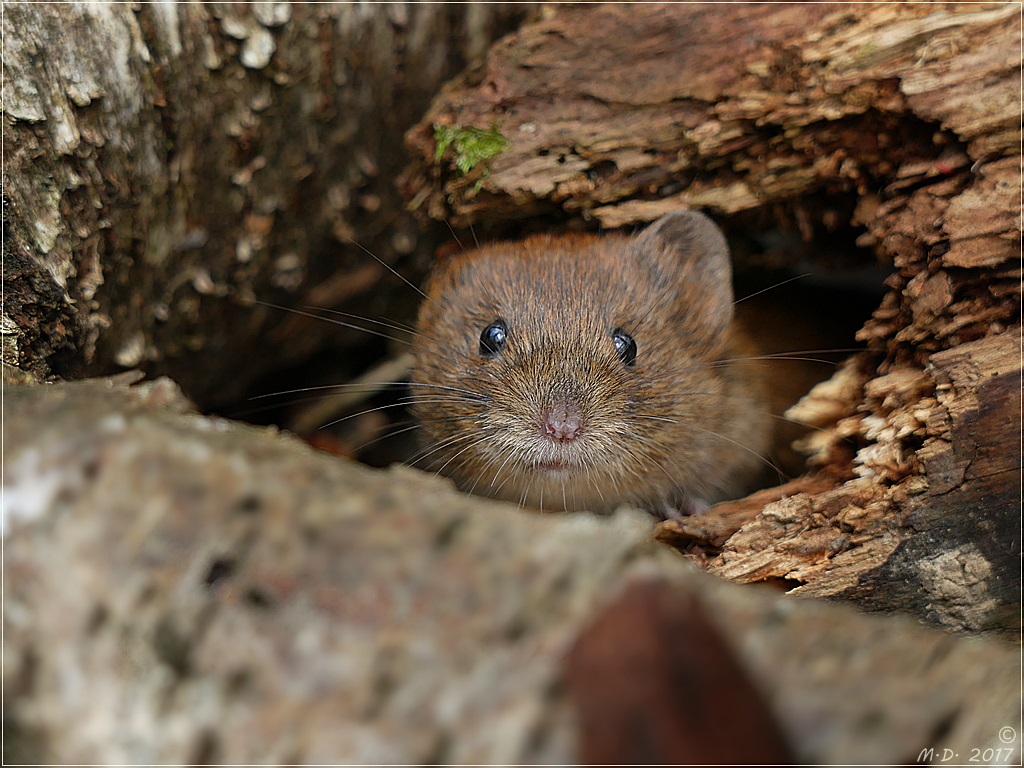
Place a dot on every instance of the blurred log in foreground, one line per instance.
(181, 589)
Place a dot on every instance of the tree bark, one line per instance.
(167, 164)
(885, 134)
(181, 589)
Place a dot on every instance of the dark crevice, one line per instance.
(220, 569)
(173, 647)
(249, 504)
(206, 749)
(98, 619)
(259, 598)
(448, 532)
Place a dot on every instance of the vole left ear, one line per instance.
(688, 250)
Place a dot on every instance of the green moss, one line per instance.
(472, 145)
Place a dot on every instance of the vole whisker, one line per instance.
(432, 447)
(369, 386)
(772, 287)
(501, 467)
(515, 453)
(522, 498)
(432, 451)
(440, 469)
(311, 312)
(387, 266)
(402, 402)
(361, 413)
(436, 446)
(653, 461)
(795, 354)
(812, 427)
(655, 418)
(405, 427)
(741, 360)
(763, 459)
(452, 230)
(486, 469)
(385, 323)
(448, 388)
(333, 321)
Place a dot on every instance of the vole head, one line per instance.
(574, 372)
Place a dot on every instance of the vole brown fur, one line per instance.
(581, 372)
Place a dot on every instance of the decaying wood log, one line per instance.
(885, 133)
(166, 164)
(944, 541)
(181, 589)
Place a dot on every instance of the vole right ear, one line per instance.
(688, 250)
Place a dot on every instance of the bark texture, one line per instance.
(166, 164)
(181, 589)
(886, 133)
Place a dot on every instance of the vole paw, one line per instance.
(685, 508)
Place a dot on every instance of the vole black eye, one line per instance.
(493, 338)
(625, 346)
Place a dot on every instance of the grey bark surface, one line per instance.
(167, 164)
(256, 601)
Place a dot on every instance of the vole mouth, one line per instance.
(557, 460)
(552, 466)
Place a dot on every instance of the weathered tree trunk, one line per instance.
(167, 164)
(894, 128)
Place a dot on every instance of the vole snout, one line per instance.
(562, 421)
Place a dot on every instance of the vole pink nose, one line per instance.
(563, 422)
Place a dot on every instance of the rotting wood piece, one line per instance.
(962, 566)
(932, 525)
(624, 114)
(708, 533)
